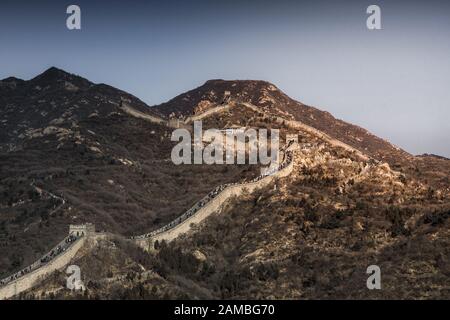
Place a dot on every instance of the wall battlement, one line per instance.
(81, 229)
(56, 259)
(62, 254)
(33, 274)
(147, 243)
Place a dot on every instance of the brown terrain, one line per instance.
(310, 236)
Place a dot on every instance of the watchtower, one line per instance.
(81, 229)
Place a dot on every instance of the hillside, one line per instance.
(311, 236)
(269, 98)
(95, 162)
(73, 153)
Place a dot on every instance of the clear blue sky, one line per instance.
(393, 82)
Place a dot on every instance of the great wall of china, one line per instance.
(38, 271)
(79, 235)
(294, 124)
(301, 126)
(213, 203)
(28, 277)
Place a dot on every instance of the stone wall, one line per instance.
(207, 113)
(322, 135)
(29, 280)
(81, 229)
(211, 207)
(135, 113)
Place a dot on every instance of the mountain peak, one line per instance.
(54, 76)
(10, 83)
(55, 70)
(11, 79)
(52, 73)
(217, 91)
(241, 83)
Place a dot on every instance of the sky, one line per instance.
(393, 82)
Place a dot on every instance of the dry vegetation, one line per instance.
(312, 235)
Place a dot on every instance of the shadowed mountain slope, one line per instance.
(311, 234)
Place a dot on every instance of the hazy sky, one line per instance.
(394, 82)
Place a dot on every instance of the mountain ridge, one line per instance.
(261, 93)
(310, 234)
(271, 99)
